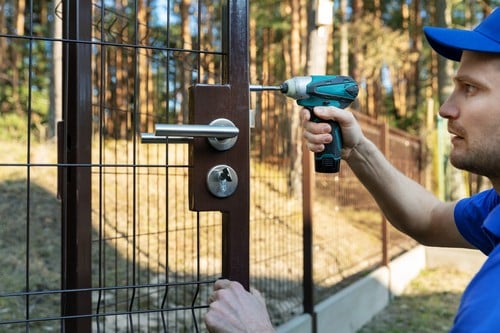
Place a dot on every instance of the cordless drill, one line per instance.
(321, 90)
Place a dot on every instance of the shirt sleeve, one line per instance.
(470, 214)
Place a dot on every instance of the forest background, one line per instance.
(141, 73)
(378, 42)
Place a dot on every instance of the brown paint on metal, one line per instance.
(307, 229)
(76, 183)
(207, 103)
(384, 145)
(230, 101)
(236, 231)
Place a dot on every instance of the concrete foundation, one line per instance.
(351, 308)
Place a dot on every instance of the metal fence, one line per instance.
(297, 263)
(120, 251)
(132, 256)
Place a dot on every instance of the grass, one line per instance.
(22, 201)
(428, 304)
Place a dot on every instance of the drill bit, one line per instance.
(255, 87)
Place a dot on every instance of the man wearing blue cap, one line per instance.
(473, 114)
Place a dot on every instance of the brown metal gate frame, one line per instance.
(235, 252)
(75, 159)
(76, 307)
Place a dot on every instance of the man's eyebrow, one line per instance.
(461, 77)
(466, 78)
(458, 79)
(476, 81)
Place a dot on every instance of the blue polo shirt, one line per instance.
(478, 220)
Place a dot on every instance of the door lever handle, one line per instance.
(153, 138)
(221, 133)
(214, 130)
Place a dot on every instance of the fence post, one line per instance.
(307, 229)
(384, 147)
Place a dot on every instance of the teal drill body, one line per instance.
(324, 90)
(321, 90)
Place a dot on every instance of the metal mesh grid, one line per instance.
(152, 260)
(147, 247)
(347, 224)
(349, 238)
(148, 240)
(30, 231)
(276, 210)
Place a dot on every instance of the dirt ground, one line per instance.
(428, 304)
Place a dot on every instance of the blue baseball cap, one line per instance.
(451, 42)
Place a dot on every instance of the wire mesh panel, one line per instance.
(148, 245)
(151, 260)
(30, 233)
(348, 237)
(350, 232)
(405, 153)
(276, 208)
(96, 231)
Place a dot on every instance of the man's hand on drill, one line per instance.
(235, 310)
(318, 134)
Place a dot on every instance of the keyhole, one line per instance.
(224, 175)
(222, 181)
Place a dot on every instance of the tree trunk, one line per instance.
(187, 43)
(20, 17)
(55, 110)
(357, 59)
(416, 42)
(344, 39)
(296, 67)
(16, 57)
(144, 103)
(4, 77)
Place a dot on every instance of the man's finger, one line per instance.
(258, 295)
(221, 284)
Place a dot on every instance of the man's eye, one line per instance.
(469, 88)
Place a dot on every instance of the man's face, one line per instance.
(473, 113)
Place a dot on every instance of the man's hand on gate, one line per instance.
(235, 310)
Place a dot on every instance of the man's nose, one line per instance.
(449, 109)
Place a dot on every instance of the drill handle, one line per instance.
(328, 161)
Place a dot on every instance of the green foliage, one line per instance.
(13, 127)
(385, 43)
(410, 123)
(25, 77)
(268, 14)
(14, 123)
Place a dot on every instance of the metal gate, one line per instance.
(139, 205)
(107, 222)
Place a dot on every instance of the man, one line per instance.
(473, 114)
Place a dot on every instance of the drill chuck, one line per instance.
(296, 87)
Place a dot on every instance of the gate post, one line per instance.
(76, 173)
(384, 147)
(235, 224)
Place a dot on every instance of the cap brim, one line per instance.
(451, 42)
